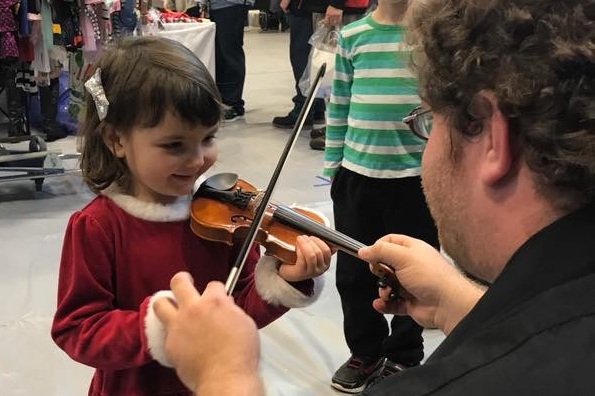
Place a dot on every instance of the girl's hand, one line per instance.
(313, 259)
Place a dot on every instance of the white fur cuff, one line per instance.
(277, 291)
(155, 330)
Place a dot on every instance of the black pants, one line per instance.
(367, 209)
(300, 31)
(230, 61)
(48, 98)
(15, 98)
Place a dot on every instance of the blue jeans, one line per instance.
(230, 61)
(300, 31)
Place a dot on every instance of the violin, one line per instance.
(228, 209)
(223, 208)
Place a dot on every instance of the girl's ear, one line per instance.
(113, 140)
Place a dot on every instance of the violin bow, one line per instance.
(234, 274)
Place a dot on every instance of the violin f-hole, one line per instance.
(240, 219)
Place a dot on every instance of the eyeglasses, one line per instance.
(420, 122)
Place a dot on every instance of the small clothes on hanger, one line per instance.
(8, 29)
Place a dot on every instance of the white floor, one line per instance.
(300, 351)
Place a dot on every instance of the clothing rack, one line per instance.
(26, 157)
(36, 163)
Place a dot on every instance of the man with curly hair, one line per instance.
(508, 90)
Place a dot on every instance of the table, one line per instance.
(199, 37)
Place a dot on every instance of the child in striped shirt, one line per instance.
(374, 161)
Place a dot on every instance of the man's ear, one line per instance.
(497, 150)
(113, 140)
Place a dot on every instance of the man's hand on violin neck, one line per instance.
(434, 293)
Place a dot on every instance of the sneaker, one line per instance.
(389, 368)
(355, 374)
(316, 133)
(232, 114)
(318, 143)
(288, 122)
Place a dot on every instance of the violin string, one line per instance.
(349, 245)
(306, 224)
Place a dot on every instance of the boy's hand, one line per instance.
(333, 16)
(313, 259)
(285, 5)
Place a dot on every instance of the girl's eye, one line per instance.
(209, 139)
(173, 146)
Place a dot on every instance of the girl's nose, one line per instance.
(197, 158)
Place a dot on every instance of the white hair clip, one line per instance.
(95, 88)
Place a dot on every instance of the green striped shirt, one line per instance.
(372, 91)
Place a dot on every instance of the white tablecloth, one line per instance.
(199, 37)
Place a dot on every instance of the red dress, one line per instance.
(117, 253)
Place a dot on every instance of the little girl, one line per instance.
(152, 112)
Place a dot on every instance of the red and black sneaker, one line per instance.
(355, 374)
(390, 368)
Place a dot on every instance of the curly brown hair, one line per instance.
(143, 79)
(538, 59)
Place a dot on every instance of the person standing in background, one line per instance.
(300, 31)
(333, 13)
(374, 162)
(230, 60)
(304, 16)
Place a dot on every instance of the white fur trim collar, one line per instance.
(277, 291)
(151, 211)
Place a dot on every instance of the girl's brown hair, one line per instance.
(143, 78)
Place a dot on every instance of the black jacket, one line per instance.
(319, 6)
(532, 333)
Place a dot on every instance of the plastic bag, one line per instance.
(324, 44)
